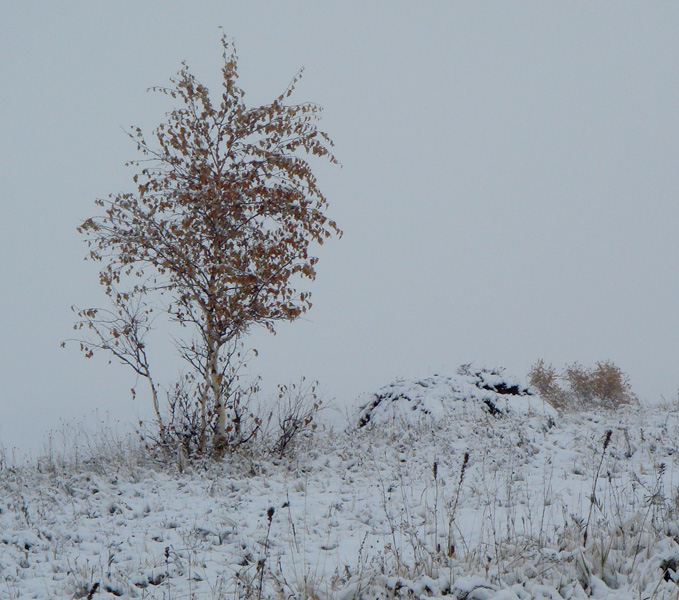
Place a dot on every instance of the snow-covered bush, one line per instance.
(471, 392)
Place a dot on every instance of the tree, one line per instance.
(218, 232)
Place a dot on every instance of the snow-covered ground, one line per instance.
(461, 486)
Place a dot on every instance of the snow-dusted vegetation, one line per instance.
(465, 486)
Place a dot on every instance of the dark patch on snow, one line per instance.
(111, 590)
(492, 409)
(494, 380)
(670, 567)
(385, 397)
(156, 579)
(504, 389)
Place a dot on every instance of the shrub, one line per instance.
(581, 388)
(183, 419)
(544, 378)
(294, 414)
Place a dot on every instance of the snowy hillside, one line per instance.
(459, 487)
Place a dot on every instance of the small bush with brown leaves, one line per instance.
(580, 388)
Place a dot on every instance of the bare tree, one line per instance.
(218, 232)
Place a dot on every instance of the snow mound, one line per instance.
(472, 392)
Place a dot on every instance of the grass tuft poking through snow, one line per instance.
(451, 500)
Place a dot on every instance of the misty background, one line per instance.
(508, 189)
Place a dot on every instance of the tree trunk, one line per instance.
(213, 381)
(203, 417)
(156, 406)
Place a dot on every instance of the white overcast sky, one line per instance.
(509, 188)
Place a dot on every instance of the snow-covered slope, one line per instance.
(450, 500)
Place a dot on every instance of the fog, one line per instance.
(508, 188)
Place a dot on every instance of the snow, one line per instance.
(428, 493)
(443, 397)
